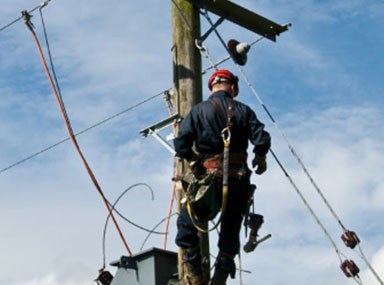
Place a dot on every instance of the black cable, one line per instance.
(82, 131)
(59, 92)
(158, 224)
(53, 67)
(21, 17)
(113, 208)
(11, 23)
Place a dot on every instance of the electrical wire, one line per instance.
(113, 208)
(69, 128)
(158, 224)
(21, 17)
(309, 208)
(81, 132)
(59, 91)
(360, 253)
(51, 64)
(170, 108)
(166, 228)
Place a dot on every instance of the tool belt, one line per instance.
(237, 165)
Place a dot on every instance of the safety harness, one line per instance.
(226, 135)
(219, 165)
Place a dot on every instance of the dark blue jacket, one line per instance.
(203, 126)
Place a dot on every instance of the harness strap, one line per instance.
(237, 164)
(226, 117)
(226, 135)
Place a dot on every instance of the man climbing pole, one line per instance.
(210, 127)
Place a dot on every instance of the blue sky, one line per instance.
(321, 80)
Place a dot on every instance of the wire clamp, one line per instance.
(27, 19)
(104, 278)
(43, 4)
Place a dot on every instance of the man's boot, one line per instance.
(193, 273)
(224, 267)
(219, 277)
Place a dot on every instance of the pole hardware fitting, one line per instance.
(27, 19)
(104, 278)
(350, 239)
(349, 268)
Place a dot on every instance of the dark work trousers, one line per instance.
(229, 240)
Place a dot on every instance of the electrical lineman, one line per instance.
(200, 143)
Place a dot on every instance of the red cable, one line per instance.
(169, 216)
(73, 139)
(170, 112)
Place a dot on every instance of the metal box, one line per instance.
(151, 267)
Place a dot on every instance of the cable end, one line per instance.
(43, 4)
(27, 19)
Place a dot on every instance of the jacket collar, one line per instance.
(220, 94)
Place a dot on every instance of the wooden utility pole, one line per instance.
(187, 90)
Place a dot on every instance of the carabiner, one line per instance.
(226, 135)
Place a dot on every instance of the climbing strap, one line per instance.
(226, 135)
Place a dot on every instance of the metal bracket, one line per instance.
(243, 17)
(126, 262)
(154, 130)
(211, 29)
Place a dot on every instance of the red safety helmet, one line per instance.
(223, 75)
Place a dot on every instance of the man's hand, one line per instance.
(196, 166)
(261, 164)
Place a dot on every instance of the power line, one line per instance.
(82, 132)
(67, 123)
(43, 4)
(113, 207)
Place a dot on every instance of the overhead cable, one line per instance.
(43, 4)
(309, 208)
(113, 207)
(51, 62)
(69, 128)
(81, 132)
(166, 219)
